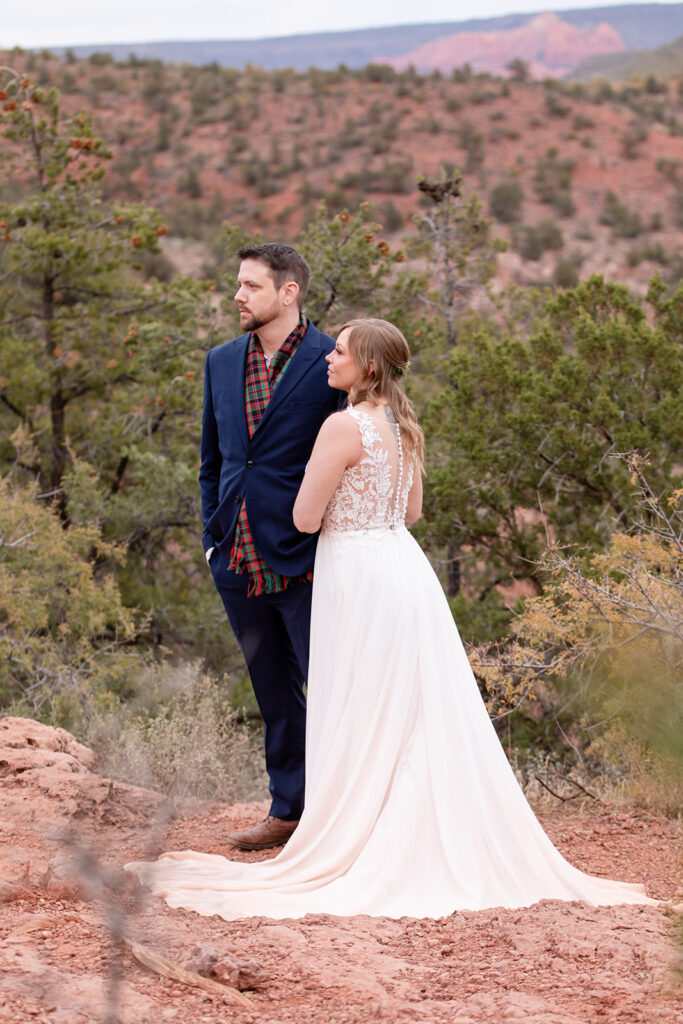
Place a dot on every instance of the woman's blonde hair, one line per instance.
(382, 355)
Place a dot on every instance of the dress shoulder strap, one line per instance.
(369, 433)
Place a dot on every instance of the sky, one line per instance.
(46, 23)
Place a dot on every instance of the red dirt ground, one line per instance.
(65, 832)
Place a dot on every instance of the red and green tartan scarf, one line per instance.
(260, 381)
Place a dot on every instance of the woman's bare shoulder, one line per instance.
(339, 425)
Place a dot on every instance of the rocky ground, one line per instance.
(81, 944)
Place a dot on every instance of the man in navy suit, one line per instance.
(265, 398)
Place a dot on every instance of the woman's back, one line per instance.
(373, 494)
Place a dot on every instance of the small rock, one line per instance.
(240, 973)
(226, 967)
(202, 958)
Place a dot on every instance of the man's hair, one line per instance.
(285, 264)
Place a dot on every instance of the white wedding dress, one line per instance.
(411, 807)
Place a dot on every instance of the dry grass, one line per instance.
(179, 736)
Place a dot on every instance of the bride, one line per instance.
(411, 807)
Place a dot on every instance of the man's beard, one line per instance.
(253, 323)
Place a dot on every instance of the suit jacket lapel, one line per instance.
(236, 370)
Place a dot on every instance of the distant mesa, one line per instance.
(550, 46)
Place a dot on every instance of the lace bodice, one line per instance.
(373, 494)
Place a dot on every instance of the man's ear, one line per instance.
(290, 292)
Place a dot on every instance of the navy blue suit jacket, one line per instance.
(266, 469)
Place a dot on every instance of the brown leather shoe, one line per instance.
(268, 833)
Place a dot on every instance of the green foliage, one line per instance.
(625, 223)
(63, 624)
(553, 180)
(506, 200)
(565, 274)
(482, 621)
(454, 237)
(350, 265)
(532, 240)
(609, 628)
(554, 107)
(521, 439)
(636, 133)
(669, 168)
(677, 206)
(378, 73)
(653, 251)
(519, 70)
(582, 121)
(101, 367)
(189, 183)
(472, 142)
(391, 216)
(392, 176)
(259, 175)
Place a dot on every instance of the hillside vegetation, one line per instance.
(588, 177)
(663, 62)
(553, 415)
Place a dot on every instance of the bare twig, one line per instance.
(167, 969)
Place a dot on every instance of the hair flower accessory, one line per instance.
(399, 371)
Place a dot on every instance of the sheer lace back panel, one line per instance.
(373, 494)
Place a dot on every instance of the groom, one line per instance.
(265, 398)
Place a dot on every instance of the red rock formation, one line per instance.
(550, 46)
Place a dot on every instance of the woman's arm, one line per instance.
(337, 446)
(414, 505)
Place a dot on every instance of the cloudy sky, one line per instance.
(47, 23)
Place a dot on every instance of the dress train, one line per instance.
(411, 806)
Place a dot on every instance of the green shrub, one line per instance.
(531, 241)
(505, 201)
(669, 168)
(189, 183)
(549, 234)
(472, 141)
(100, 60)
(636, 133)
(393, 176)
(654, 252)
(580, 121)
(554, 107)
(553, 180)
(677, 207)
(463, 74)
(625, 223)
(389, 214)
(429, 124)
(257, 173)
(68, 83)
(482, 96)
(565, 274)
(377, 73)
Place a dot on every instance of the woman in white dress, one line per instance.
(411, 807)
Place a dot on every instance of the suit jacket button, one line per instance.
(250, 463)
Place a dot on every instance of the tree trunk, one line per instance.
(59, 455)
(453, 579)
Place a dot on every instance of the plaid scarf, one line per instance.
(260, 381)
